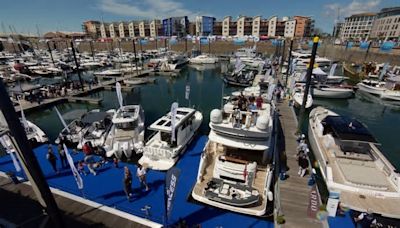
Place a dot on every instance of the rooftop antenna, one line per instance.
(3, 28)
(37, 31)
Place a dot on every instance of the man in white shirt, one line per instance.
(141, 174)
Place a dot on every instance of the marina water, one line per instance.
(206, 88)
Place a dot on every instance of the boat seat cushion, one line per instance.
(365, 174)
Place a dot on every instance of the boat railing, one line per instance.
(388, 168)
(157, 153)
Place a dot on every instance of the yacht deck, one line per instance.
(213, 151)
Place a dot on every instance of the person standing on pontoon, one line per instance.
(141, 174)
(127, 183)
(89, 159)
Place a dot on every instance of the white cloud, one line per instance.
(355, 6)
(145, 9)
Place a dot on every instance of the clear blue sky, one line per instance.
(68, 15)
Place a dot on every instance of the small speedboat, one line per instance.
(139, 81)
(298, 96)
(324, 91)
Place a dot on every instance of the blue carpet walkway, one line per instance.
(107, 188)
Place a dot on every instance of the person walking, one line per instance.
(63, 156)
(89, 159)
(127, 182)
(303, 164)
(51, 157)
(141, 174)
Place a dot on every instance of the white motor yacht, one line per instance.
(233, 172)
(298, 96)
(34, 134)
(98, 127)
(334, 92)
(203, 59)
(161, 151)
(127, 133)
(387, 90)
(352, 165)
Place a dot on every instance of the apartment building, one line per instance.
(204, 25)
(357, 26)
(104, 30)
(92, 29)
(155, 28)
(123, 30)
(304, 26)
(290, 28)
(176, 26)
(387, 24)
(113, 30)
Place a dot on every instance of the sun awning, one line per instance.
(349, 129)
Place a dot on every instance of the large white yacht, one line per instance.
(161, 152)
(352, 165)
(233, 171)
(203, 59)
(388, 90)
(127, 133)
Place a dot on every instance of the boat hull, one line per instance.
(370, 89)
(332, 93)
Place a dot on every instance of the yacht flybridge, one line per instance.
(352, 164)
(233, 173)
(162, 150)
(127, 133)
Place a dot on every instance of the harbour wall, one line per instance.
(334, 52)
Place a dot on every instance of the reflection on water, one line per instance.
(205, 94)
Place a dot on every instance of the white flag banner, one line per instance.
(271, 90)
(187, 92)
(15, 161)
(303, 76)
(62, 119)
(383, 71)
(333, 68)
(119, 94)
(174, 108)
(6, 143)
(75, 172)
(23, 118)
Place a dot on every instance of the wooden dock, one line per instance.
(294, 191)
(85, 100)
(79, 96)
(79, 212)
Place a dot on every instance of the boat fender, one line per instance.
(270, 196)
(262, 122)
(216, 116)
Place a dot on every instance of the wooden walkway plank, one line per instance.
(294, 190)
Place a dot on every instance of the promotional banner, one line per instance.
(75, 172)
(332, 206)
(173, 41)
(23, 118)
(364, 45)
(332, 71)
(187, 92)
(62, 119)
(204, 40)
(383, 71)
(144, 42)
(239, 42)
(171, 180)
(6, 143)
(313, 203)
(349, 44)
(174, 108)
(387, 46)
(119, 94)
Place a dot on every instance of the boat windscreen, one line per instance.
(92, 117)
(348, 129)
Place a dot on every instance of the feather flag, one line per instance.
(62, 119)
(174, 108)
(383, 71)
(119, 94)
(23, 118)
(6, 143)
(75, 172)
(333, 68)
